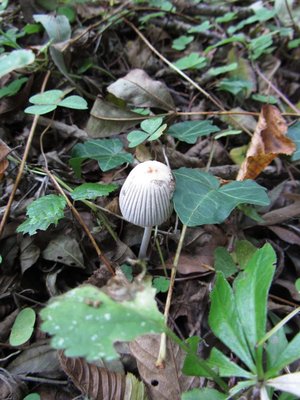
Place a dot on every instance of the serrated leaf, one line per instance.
(22, 328)
(294, 134)
(57, 27)
(199, 199)
(99, 321)
(42, 213)
(192, 61)
(74, 102)
(90, 191)
(14, 60)
(225, 323)
(225, 366)
(251, 294)
(40, 110)
(203, 394)
(190, 131)
(108, 152)
(47, 98)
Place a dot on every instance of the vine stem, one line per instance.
(23, 162)
(100, 254)
(163, 343)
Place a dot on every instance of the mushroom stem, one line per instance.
(145, 242)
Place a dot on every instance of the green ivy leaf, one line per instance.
(294, 134)
(22, 328)
(90, 191)
(136, 137)
(203, 27)
(86, 322)
(199, 199)
(192, 61)
(151, 125)
(43, 212)
(108, 152)
(40, 110)
(74, 102)
(14, 60)
(181, 42)
(48, 97)
(190, 131)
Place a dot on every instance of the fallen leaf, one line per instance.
(268, 141)
(66, 250)
(166, 383)
(4, 151)
(138, 89)
(286, 234)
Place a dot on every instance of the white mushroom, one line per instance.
(145, 197)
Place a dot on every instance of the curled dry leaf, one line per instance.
(4, 151)
(138, 89)
(268, 141)
(169, 382)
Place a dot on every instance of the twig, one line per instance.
(23, 162)
(100, 254)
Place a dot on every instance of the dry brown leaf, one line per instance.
(285, 234)
(268, 141)
(167, 383)
(4, 151)
(281, 214)
(94, 382)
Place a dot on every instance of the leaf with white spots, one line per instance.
(85, 322)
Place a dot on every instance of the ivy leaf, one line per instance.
(86, 322)
(199, 199)
(181, 42)
(192, 61)
(136, 137)
(151, 125)
(189, 131)
(108, 152)
(42, 213)
(90, 191)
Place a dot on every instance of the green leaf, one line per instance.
(224, 262)
(75, 102)
(235, 86)
(229, 16)
(40, 110)
(251, 294)
(161, 284)
(290, 354)
(151, 125)
(264, 99)
(181, 42)
(57, 27)
(43, 212)
(108, 152)
(193, 365)
(14, 60)
(225, 322)
(190, 131)
(222, 70)
(276, 344)
(157, 134)
(203, 27)
(237, 38)
(23, 327)
(199, 199)
(32, 396)
(226, 367)
(227, 132)
(136, 137)
(203, 394)
(90, 191)
(241, 386)
(192, 61)
(127, 271)
(86, 322)
(243, 252)
(48, 97)
(297, 284)
(294, 134)
(13, 87)
(261, 45)
(287, 383)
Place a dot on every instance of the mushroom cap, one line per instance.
(145, 196)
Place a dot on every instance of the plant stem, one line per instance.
(163, 344)
(145, 242)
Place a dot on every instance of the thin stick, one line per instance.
(23, 162)
(163, 342)
(100, 254)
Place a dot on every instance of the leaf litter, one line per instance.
(245, 86)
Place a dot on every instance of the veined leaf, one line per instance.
(42, 213)
(90, 191)
(22, 328)
(108, 152)
(225, 323)
(225, 366)
(190, 131)
(86, 322)
(251, 294)
(199, 199)
(14, 60)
